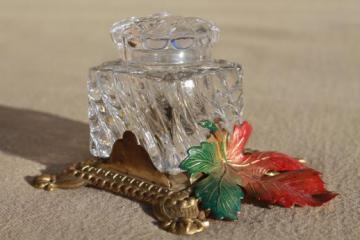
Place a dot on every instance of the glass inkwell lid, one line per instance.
(164, 39)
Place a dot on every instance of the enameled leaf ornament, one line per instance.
(231, 172)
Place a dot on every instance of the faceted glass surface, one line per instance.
(164, 38)
(163, 86)
(162, 105)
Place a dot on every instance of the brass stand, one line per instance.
(130, 173)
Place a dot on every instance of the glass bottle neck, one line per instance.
(166, 56)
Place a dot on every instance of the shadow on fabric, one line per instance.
(42, 137)
(45, 138)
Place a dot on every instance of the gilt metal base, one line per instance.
(129, 172)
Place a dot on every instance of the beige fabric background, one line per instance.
(302, 91)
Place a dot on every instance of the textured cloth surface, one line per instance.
(302, 88)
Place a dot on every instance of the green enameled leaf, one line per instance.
(220, 196)
(209, 125)
(200, 159)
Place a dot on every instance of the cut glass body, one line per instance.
(164, 84)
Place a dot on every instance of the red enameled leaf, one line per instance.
(270, 177)
(301, 187)
(270, 161)
(237, 141)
